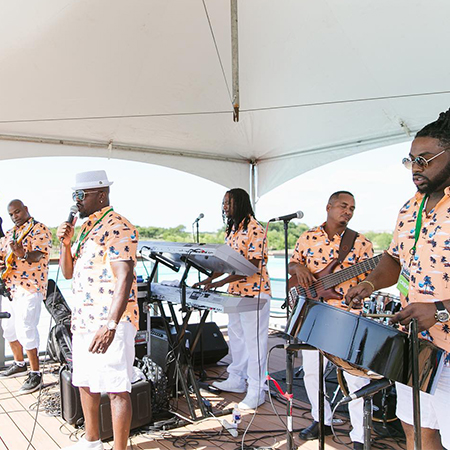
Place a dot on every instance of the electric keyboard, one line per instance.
(214, 257)
(210, 300)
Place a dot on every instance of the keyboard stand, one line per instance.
(183, 356)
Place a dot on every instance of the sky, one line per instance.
(150, 195)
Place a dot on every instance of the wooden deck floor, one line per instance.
(20, 422)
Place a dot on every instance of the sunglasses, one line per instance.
(81, 195)
(420, 161)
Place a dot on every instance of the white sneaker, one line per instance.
(83, 444)
(231, 385)
(252, 400)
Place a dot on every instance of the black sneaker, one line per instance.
(32, 383)
(14, 370)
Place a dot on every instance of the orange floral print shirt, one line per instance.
(25, 276)
(430, 266)
(315, 250)
(249, 243)
(110, 239)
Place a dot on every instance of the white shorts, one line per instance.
(433, 408)
(110, 372)
(22, 326)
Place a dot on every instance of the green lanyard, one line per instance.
(418, 225)
(85, 233)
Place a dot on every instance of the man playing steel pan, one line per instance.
(418, 259)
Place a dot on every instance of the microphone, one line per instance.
(201, 215)
(5, 315)
(288, 217)
(369, 389)
(73, 212)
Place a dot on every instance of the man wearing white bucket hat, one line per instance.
(105, 314)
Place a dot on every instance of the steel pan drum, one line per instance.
(382, 303)
(355, 342)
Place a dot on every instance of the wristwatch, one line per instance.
(111, 325)
(442, 315)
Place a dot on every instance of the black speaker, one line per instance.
(160, 350)
(142, 297)
(72, 412)
(214, 345)
(140, 341)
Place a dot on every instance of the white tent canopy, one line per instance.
(141, 80)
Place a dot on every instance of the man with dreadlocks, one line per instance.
(418, 258)
(247, 331)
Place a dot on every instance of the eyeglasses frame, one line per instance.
(410, 162)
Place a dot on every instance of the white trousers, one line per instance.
(22, 326)
(355, 407)
(245, 331)
(433, 408)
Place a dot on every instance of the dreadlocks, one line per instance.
(439, 129)
(242, 209)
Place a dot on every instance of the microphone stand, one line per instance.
(197, 235)
(203, 375)
(290, 350)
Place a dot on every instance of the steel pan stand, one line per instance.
(414, 341)
(367, 421)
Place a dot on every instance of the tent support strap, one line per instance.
(235, 58)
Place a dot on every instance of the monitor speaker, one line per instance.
(212, 341)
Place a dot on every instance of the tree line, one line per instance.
(275, 236)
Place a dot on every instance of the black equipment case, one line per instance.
(72, 413)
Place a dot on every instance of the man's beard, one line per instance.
(441, 178)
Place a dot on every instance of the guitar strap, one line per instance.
(347, 241)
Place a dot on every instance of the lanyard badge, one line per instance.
(403, 281)
(405, 274)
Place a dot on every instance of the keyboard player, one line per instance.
(247, 331)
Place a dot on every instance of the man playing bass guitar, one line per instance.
(321, 254)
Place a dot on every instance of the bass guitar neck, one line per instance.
(323, 288)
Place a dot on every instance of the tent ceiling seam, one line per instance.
(385, 140)
(110, 146)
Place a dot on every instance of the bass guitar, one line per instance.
(323, 288)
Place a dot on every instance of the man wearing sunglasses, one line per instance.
(24, 254)
(105, 314)
(418, 261)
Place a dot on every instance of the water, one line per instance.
(275, 267)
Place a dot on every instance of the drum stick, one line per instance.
(349, 307)
(377, 316)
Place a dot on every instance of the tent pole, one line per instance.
(253, 183)
(235, 58)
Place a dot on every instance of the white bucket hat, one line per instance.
(91, 180)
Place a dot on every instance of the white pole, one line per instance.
(235, 58)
